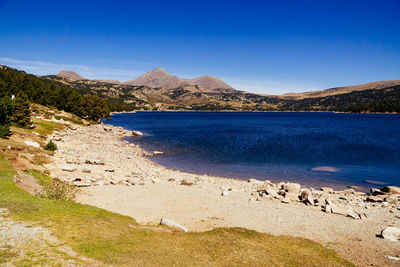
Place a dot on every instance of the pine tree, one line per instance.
(6, 110)
(22, 114)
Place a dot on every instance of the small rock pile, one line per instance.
(347, 202)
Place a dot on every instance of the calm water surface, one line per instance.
(362, 149)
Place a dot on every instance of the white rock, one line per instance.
(172, 224)
(225, 193)
(391, 233)
(32, 143)
(285, 200)
(155, 181)
(137, 133)
(291, 187)
(157, 153)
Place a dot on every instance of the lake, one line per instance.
(312, 148)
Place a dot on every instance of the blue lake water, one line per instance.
(361, 149)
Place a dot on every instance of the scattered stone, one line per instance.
(171, 180)
(391, 233)
(285, 200)
(377, 198)
(376, 192)
(94, 162)
(110, 170)
(155, 181)
(345, 210)
(32, 143)
(328, 208)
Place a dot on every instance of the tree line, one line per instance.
(28, 88)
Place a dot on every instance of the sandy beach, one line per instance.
(119, 176)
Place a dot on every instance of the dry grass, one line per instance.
(119, 240)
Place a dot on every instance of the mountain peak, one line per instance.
(70, 75)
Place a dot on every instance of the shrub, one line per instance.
(59, 190)
(50, 146)
(5, 131)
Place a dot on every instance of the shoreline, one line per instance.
(118, 176)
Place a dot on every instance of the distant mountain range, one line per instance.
(159, 90)
(160, 78)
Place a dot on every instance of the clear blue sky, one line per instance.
(259, 46)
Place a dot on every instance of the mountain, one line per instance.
(209, 82)
(158, 78)
(70, 75)
(344, 89)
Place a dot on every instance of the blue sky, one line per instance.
(267, 47)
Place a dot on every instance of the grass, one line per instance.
(74, 120)
(119, 240)
(45, 128)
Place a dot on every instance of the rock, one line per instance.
(171, 180)
(378, 198)
(292, 196)
(255, 182)
(272, 192)
(172, 224)
(94, 162)
(292, 187)
(392, 199)
(391, 233)
(328, 208)
(376, 192)
(73, 127)
(187, 183)
(81, 184)
(306, 197)
(225, 193)
(157, 153)
(285, 200)
(137, 133)
(345, 210)
(392, 190)
(327, 190)
(155, 181)
(86, 170)
(110, 170)
(69, 168)
(57, 139)
(32, 143)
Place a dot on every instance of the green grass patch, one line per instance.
(45, 128)
(119, 240)
(74, 120)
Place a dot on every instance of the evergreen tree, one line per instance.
(96, 108)
(22, 114)
(6, 110)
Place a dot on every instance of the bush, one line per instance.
(50, 146)
(59, 190)
(21, 113)
(5, 131)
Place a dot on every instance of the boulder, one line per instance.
(272, 192)
(157, 153)
(376, 192)
(292, 196)
(306, 197)
(391, 234)
(81, 184)
(378, 198)
(186, 182)
(285, 200)
(392, 190)
(137, 133)
(345, 211)
(292, 187)
(155, 181)
(32, 143)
